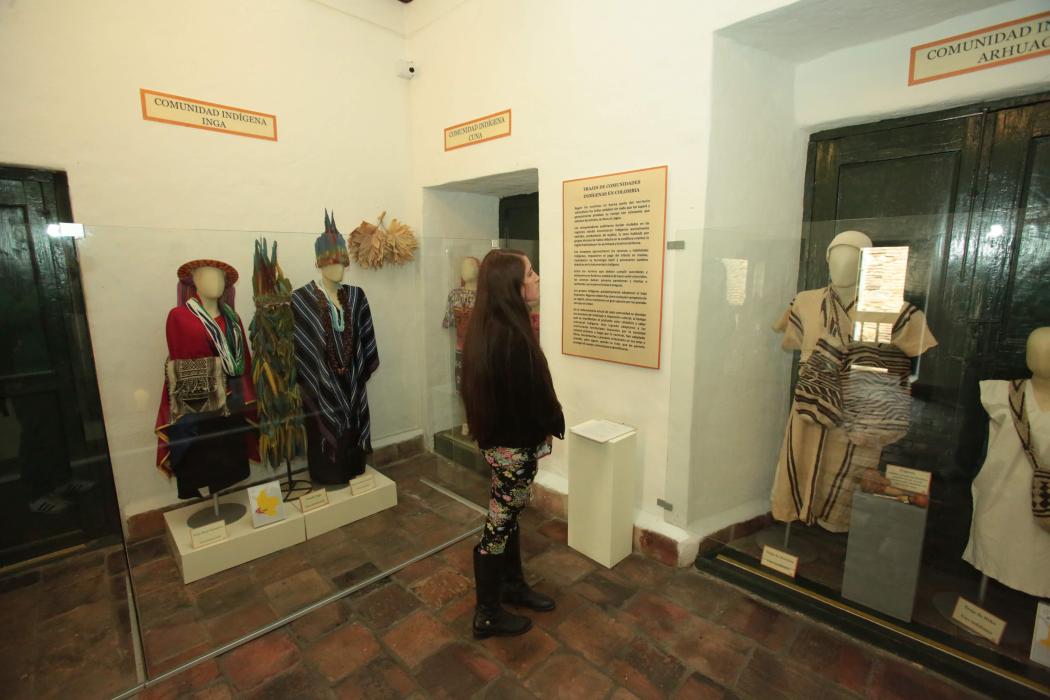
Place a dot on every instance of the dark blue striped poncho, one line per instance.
(337, 403)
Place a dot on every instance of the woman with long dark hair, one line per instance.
(514, 414)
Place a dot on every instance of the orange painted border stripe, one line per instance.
(510, 128)
(663, 269)
(145, 115)
(983, 30)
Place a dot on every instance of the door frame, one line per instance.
(929, 117)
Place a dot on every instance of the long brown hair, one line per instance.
(498, 324)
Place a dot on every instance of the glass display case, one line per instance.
(255, 435)
(450, 268)
(868, 457)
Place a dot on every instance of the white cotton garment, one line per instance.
(1005, 541)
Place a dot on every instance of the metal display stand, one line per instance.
(293, 484)
(227, 512)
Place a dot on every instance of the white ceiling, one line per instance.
(806, 29)
(498, 185)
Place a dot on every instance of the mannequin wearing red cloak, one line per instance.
(207, 450)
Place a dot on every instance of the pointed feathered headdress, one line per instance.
(330, 246)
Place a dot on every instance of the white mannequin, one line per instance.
(1006, 543)
(844, 269)
(1038, 360)
(468, 272)
(210, 283)
(331, 277)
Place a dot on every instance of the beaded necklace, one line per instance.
(346, 338)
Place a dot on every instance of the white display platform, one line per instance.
(344, 508)
(602, 460)
(243, 542)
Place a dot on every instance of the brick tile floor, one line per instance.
(63, 618)
(180, 621)
(639, 630)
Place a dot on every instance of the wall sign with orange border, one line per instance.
(480, 130)
(613, 266)
(186, 111)
(1009, 42)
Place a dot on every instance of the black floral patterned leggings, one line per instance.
(513, 469)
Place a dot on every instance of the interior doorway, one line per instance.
(462, 221)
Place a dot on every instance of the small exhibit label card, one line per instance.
(1041, 636)
(210, 116)
(883, 271)
(782, 562)
(491, 126)
(313, 500)
(914, 480)
(208, 534)
(363, 483)
(978, 620)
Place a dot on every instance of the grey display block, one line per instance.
(883, 554)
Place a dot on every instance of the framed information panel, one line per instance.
(613, 229)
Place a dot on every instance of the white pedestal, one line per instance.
(344, 508)
(242, 544)
(601, 494)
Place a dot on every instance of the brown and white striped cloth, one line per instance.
(818, 466)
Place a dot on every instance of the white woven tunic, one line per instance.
(1005, 541)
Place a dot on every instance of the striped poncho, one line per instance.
(335, 403)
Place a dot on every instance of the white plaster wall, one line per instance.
(595, 87)
(737, 378)
(866, 82)
(455, 225)
(129, 345)
(71, 72)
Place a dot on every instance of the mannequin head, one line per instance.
(210, 282)
(844, 266)
(468, 271)
(843, 257)
(1038, 352)
(333, 273)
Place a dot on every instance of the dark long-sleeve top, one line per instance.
(526, 411)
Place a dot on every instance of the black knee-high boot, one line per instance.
(515, 590)
(490, 619)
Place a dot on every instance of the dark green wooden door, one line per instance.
(968, 193)
(909, 185)
(1012, 239)
(1008, 254)
(54, 468)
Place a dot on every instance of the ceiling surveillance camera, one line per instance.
(406, 70)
